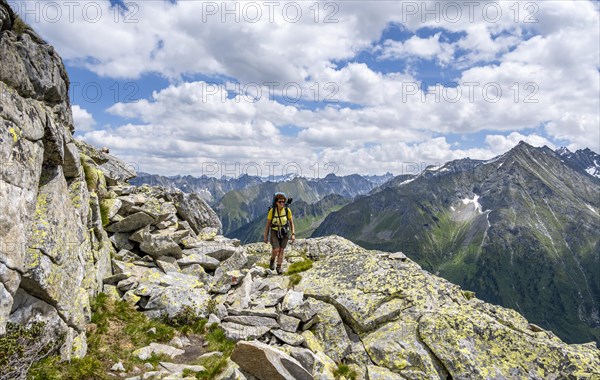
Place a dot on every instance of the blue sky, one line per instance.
(174, 87)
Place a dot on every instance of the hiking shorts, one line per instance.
(277, 242)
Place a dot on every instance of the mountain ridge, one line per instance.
(523, 208)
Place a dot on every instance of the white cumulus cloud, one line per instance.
(83, 120)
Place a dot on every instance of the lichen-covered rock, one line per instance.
(56, 251)
(191, 256)
(158, 244)
(158, 209)
(487, 348)
(171, 300)
(421, 326)
(292, 339)
(266, 362)
(29, 309)
(381, 373)
(168, 264)
(52, 245)
(407, 355)
(323, 247)
(329, 329)
(131, 223)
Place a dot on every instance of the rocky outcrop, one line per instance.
(384, 317)
(161, 264)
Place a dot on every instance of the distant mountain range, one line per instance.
(240, 207)
(521, 230)
(212, 189)
(239, 201)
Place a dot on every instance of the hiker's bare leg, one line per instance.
(280, 257)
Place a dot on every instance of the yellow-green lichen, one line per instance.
(15, 135)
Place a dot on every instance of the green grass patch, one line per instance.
(217, 341)
(295, 280)
(104, 208)
(187, 321)
(20, 346)
(116, 330)
(263, 265)
(343, 371)
(19, 26)
(468, 294)
(90, 172)
(300, 266)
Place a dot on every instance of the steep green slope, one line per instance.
(521, 230)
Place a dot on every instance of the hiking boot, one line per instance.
(272, 264)
(279, 270)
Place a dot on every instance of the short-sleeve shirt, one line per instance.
(280, 220)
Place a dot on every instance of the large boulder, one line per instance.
(115, 170)
(194, 210)
(171, 300)
(268, 363)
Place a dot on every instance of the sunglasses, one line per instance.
(280, 201)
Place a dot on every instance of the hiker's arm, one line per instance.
(266, 234)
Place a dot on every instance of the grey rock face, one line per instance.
(155, 348)
(237, 332)
(51, 251)
(252, 321)
(195, 211)
(34, 70)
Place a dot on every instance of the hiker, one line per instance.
(281, 225)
